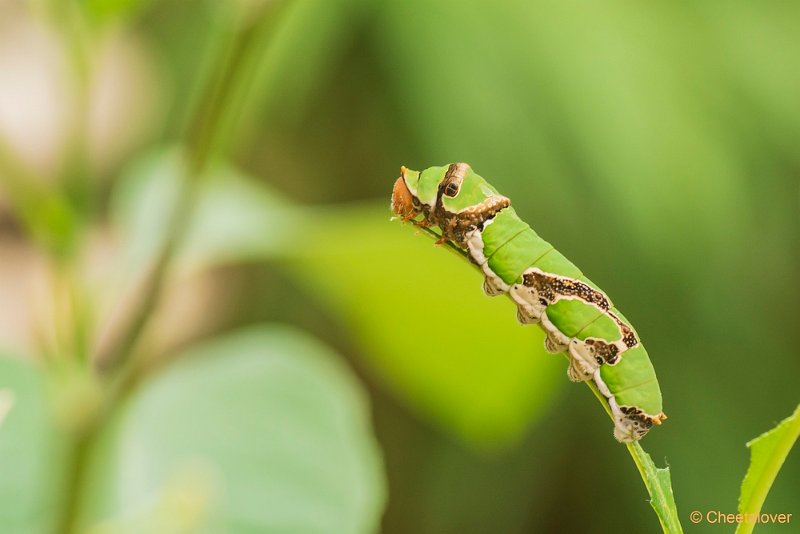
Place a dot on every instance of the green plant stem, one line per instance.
(79, 451)
(70, 25)
(660, 497)
(662, 501)
(208, 129)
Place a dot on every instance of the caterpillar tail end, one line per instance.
(632, 424)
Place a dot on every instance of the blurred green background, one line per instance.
(306, 365)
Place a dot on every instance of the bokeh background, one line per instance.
(307, 365)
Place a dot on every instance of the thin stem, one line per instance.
(661, 498)
(70, 24)
(218, 109)
(78, 457)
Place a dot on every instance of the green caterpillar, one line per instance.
(547, 288)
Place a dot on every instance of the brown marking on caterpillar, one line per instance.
(550, 288)
(630, 423)
(641, 421)
(491, 204)
(456, 226)
(609, 352)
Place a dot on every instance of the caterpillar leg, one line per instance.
(554, 344)
(492, 286)
(577, 372)
(583, 360)
(529, 307)
(556, 340)
(587, 355)
(524, 317)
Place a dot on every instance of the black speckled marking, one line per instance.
(607, 351)
(641, 421)
(551, 288)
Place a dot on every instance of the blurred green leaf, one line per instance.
(767, 454)
(6, 403)
(260, 431)
(105, 10)
(47, 215)
(575, 100)
(426, 327)
(421, 319)
(234, 218)
(32, 453)
(301, 56)
(142, 204)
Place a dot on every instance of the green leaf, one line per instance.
(767, 454)
(235, 217)
(32, 453)
(286, 81)
(419, 317)
(6, 403)
(261, 431)
(102, 11)
(46, 214)
(578, 141)
(425, 327)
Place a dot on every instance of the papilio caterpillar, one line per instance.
(548, 289)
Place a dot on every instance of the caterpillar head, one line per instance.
(404, 202)
(453, 189)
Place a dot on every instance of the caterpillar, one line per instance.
(549, 290)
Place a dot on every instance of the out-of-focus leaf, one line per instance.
(767, 454)
(235, 218)
(261, 431)
(102, 11)
(419, 314)
(301, 54)
(31, 453)
(425, 326)
(142, 204)
(588, 103)
(48, 216)
(6, 403)
(759, 70)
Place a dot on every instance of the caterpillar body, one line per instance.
(548, 290)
